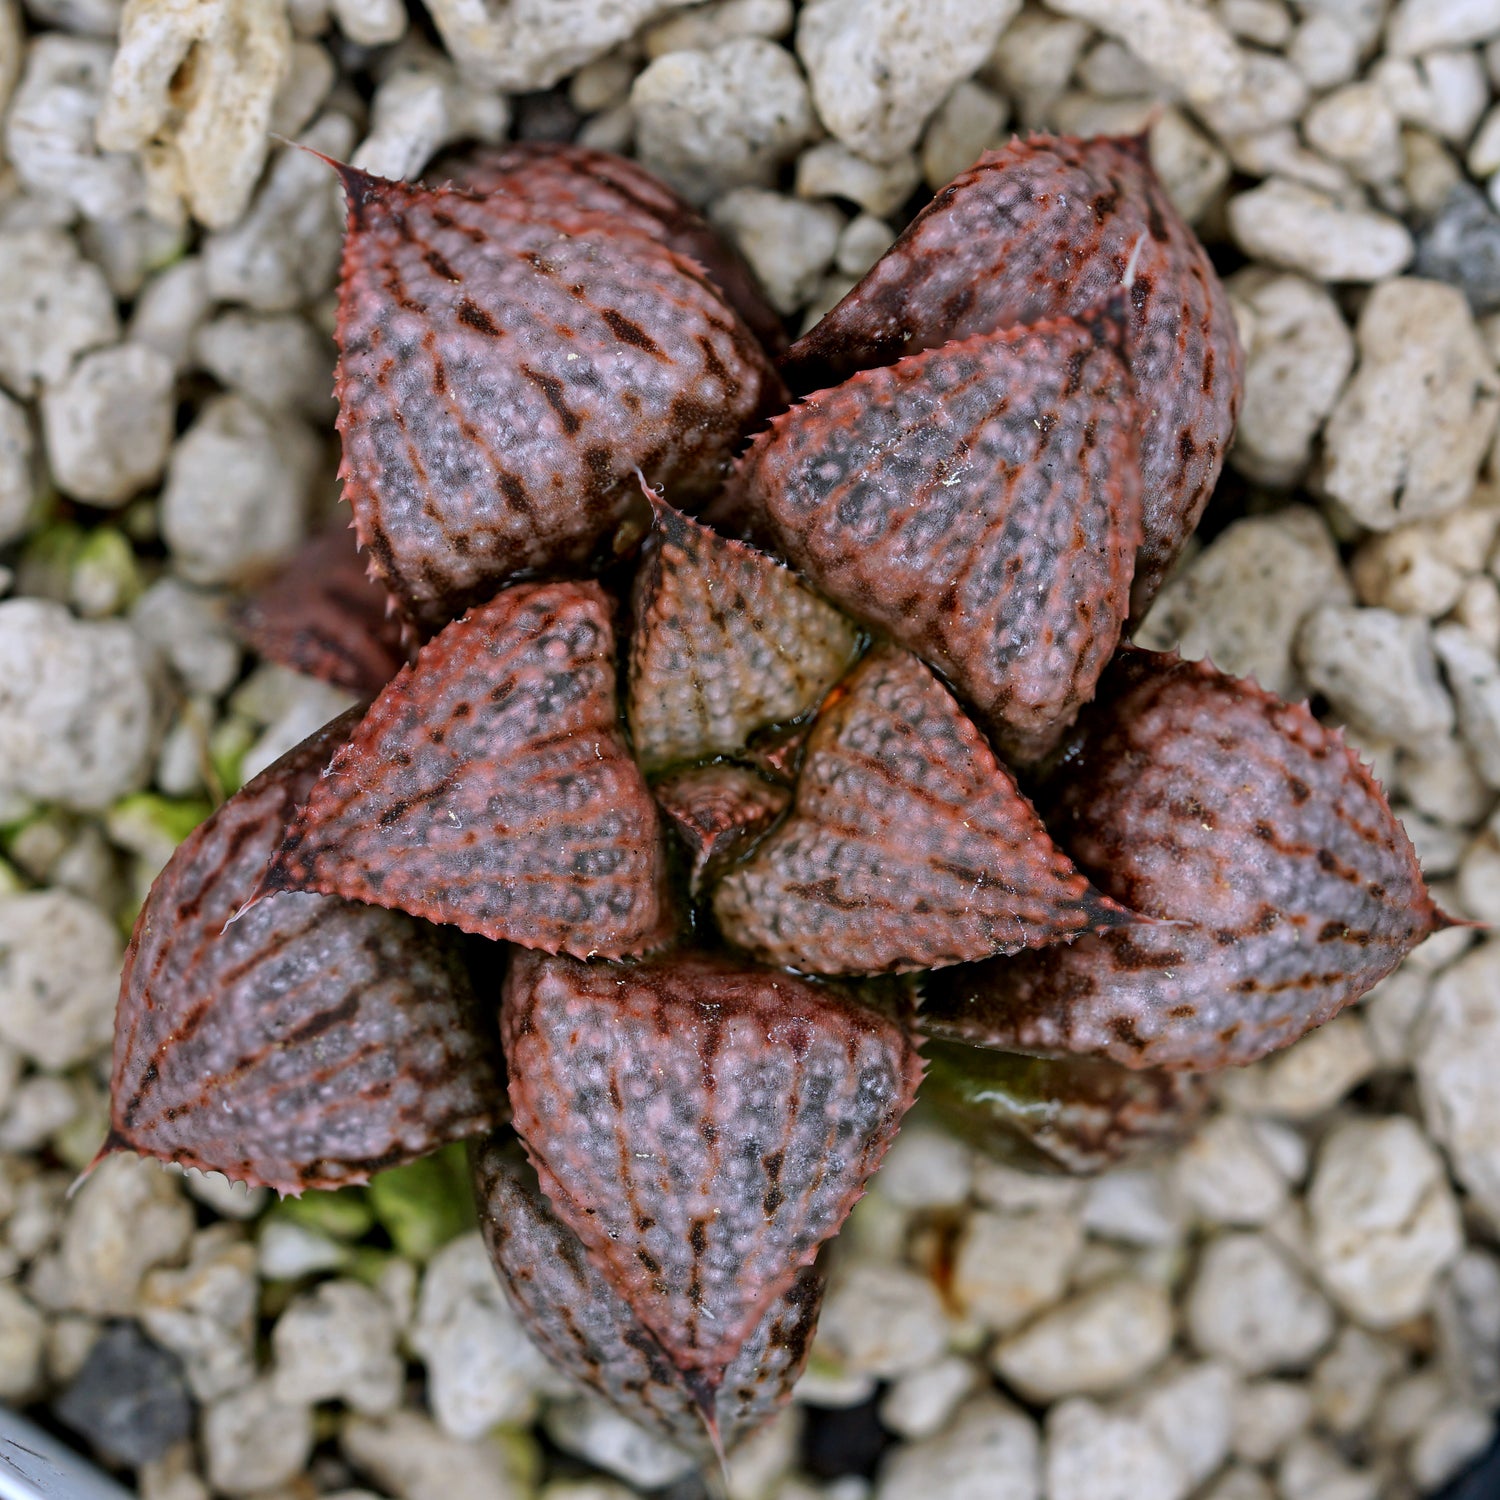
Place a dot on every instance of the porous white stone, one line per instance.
(1348, 1380)
(1096, 1454)
(278, 360)
(305, 705)
(49, 132)
(189, 627)
(286, 1250)
(704, 26)
(253, 1440)
(236, 493)
(1474, 677)
(920, 1403)
(1357, 126)
(1418, 26)
(1034, 60)
(1289, 224)
(1478, 611)
(1008, 1266)
(1429, 172)
(1313, 1469)
(1324, 50)
(1467, 1315)
(883, 1320)
(1251, 1307)
(17, 483)
(1270, 93)
(926, 1168)
(1226, 1177)
(1267, 23)
(991, 1451)
(589, 1429)
(1110, 68)
(371, 23)
(1308, 1078)
(1452, 1441)
(1379, 671)
(1192, 1412)
(76, 707)
(1422, 568)
(968, 122)
(23, 1338)
(831, 170)
(169, 310)
(1384, 1220)
(1479, 874)
(1095, 1343)
(108, 423)
(1268, 1414)
(707, 122)
(1192, 168)
(337, 1343)
(308, 80)
(1444, 92)
(205, 124)
(879, 68)
(53, 306)
(789, 242)
(1241, 600)
(1133, 1206)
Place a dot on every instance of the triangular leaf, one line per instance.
(718, 811)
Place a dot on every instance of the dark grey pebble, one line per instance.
(1460, 244)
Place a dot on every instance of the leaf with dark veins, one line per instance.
(575, 1316)
(980, 503)
(489, 787)
(1047, 227)
(702, 1126)
(307, 1044)
(908, 846)
(727, 641)
(718, 811)
(502, 376)
(1288, 886)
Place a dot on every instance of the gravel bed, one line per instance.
(1305, 1301)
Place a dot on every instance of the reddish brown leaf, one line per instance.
(979, 502)
(321, 614)
(556, 181)
(1059, 1114)
(726, 642)
(702, 1127)
(584, 1326)
(307, 1044)
(503, 376)
(1289, 886)
(1047, 227)
(719, 811)
(489, 786)
(908, 845)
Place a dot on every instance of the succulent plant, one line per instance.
(747, 742)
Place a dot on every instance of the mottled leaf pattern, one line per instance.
(980, 503)
(726, 642)
(702, 1127)
(489, 787)
(1289, 887)
(557, 181)
(908, 845)
(1052, 226)
(718, 811)
(585, 1327)
(503, 376)
(1059, 1114)
(307, 1044)
(321, 614)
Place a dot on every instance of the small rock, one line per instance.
(108, 423)
(1444, 92)
(990, 1452)
(585, 1427)
(17, 484)
(337, 1343)
(408, 1456)
(173, 1476)
(286, 1251)
(129, 1400)
(1467, 1309)
(277, 360)
(1270, 94)
(1279, 153)
(926, 1168)
(1325, 50)
(1478, 611)
(1110, 68)
(43, 1105)
(919, 1404)
(705, 26)
(308, 705)
(371, 23)
(1378, 670)
(879, 68)
(1384, 1221)
(1479, 876)
(59, 977)
(1461, 244)
(1239, 1483)
(1241, 600)
(1192, 168)
(1192, 1412)
(1134, 1206)
(169, 310)
(1409, 1407)
(23, 1337)
(1226, 1177)
(1418, 26)
(883, 1320)
(1308, 1078)
(707, 122)
(1251, 1307)
(1264, 22)
(968, 123)
(236, 494)
(206, 1313)
(253, 1440)
(1474, 677)
(54, 305)
(1421, 569)
(1288, 224)
(229, 1200)
(1097, 1342)
(1348, 1380)
(1312, 1469)
(1008, 1266)
(481, 1368)
(190, 630)
(1268, 1414)
(831, 170)
(1428, 175)
(1407, 438)
(1095, 1454)
(1450, 1443)
(789, 242)
(1392, 1012)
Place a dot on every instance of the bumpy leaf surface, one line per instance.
(321, 614)
(908, 845)
(502, 377)
(702, 1126)
(1047, 227)
(557, 180)
(1059, 1114)
(583, 1325)
(718, 811)
(489, 787)
(1288, 886)
(981, 503)
(726, 642)
(307, 1044)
